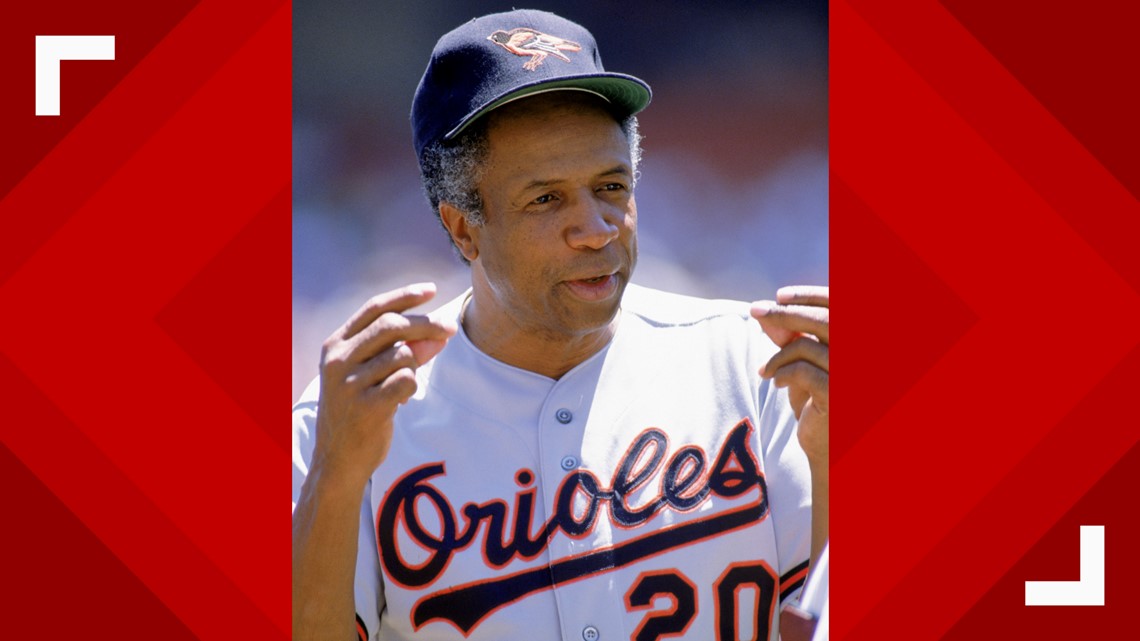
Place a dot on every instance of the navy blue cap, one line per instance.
(501, 57)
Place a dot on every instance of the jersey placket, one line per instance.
(561, 427)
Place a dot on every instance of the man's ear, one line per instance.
(455, 221)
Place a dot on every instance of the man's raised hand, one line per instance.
(797, 321)
(367, 371)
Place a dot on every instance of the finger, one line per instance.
(798, 399)
(377, 369)
(800, 349)
(813, 435)
(813, 295)
(397, 300)
(390, 328)
(411, 355)
(787, 321)
(779, 335)
(426, 349)
(805, 378)
(397, 387)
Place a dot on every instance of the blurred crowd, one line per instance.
(732, 199)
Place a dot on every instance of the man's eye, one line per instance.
(613, 187)
(543, 199)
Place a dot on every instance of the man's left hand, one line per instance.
(797, 321)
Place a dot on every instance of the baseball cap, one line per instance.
(501, 57)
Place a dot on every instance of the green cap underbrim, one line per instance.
(627, 93)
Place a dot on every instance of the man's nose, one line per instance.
(595, 223)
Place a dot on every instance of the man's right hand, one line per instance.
(367, 371)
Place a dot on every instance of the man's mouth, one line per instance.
(595, 288)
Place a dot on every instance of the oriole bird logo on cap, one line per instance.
(537, 45)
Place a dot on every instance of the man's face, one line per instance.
(559, 240)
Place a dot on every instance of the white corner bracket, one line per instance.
(1089, 590)
(50, 50)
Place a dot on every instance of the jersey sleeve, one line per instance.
(789, 480)
(369, 590)
(816, 595)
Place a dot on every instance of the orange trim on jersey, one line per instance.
(759, 632)
(596, 551)
(654, 614)
(485, 525)
(396, 537)
(733, 464)
(793, 579)
(530, 533)
(727, 476)
(361, 630)
(698, 481)
(396, 546)
(594, 524)
(753, 606)
(640, 464)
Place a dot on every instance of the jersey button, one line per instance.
(590, 633)
(569, 463)
(564, 416)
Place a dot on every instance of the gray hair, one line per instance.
(451, 172)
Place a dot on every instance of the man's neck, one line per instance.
(546, 354)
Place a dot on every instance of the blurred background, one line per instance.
(732, 201)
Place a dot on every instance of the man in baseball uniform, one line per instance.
(555, 454)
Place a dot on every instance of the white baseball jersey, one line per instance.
(656, 490)
(816, 597)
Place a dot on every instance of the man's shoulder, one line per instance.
(665, 309)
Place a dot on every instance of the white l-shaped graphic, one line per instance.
(1089, 590)
(50, 50)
